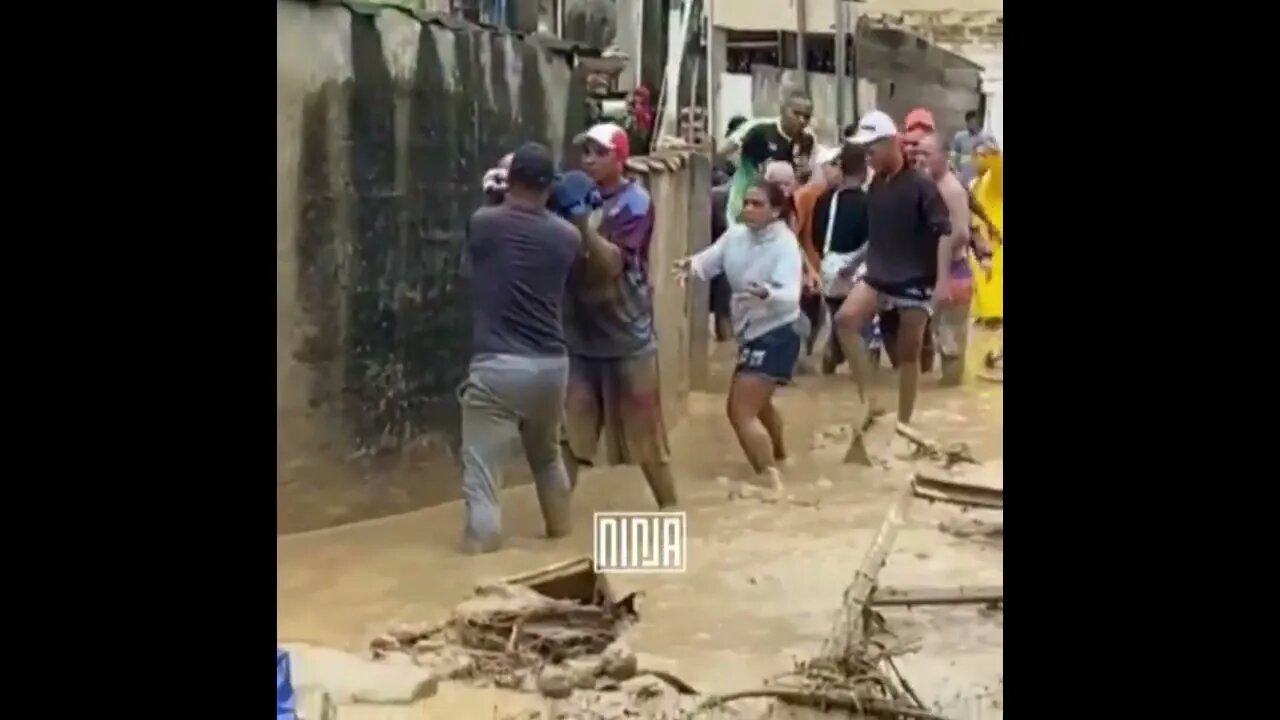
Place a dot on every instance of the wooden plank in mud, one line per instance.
(574, 579)
(890, 597)
(957, 493)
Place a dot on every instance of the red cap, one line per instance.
(610, 136)
(920, 119)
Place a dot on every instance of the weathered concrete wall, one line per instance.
(384, 127)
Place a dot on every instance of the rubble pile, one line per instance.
(506, 632)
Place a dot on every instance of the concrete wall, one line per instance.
(384, 127)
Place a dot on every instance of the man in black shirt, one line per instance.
(907, 260)
(787, 138)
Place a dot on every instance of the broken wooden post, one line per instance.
(849, 634)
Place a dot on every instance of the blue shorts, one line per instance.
(772, 355)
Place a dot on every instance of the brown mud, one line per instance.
(764, 580)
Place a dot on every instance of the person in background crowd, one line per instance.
(825, 176)
(640, 117)
(963, 144)
(907, 261)
(724, 167)
(917, 124)
(719, 288)
(518, 257)
(721, 175)
(495, 181)
(838, 240)
(951, 321)
(608, 322)
(988, 193)
(761, 259)
(787, 138)
(781, 174)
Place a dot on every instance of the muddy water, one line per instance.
(764, 580)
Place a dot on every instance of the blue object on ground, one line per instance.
(284, 688)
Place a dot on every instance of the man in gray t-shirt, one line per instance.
(962, 146)
(518, 256)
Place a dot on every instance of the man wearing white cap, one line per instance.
(908, 258)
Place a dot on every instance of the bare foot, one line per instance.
(770, 479)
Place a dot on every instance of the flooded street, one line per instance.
(764, 581)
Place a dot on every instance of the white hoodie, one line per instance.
(770, 257)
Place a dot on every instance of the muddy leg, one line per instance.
(747, 397)
(856, 311)
(952, 323)
(489, 429)
(571, 465)
(550, 474)
(661, 483)
(772, 421)
(911, 328)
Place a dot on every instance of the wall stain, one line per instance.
(388, 173)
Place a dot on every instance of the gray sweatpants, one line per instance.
(505, 398)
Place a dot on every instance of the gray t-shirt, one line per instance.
(962, 146)
(519, 262)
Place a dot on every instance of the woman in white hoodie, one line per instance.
(762, 263)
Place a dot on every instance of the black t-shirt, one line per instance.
(766, 142)
(851, 221)
(519, 263)
(907, 218)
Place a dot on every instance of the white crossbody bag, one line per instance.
(834, 286)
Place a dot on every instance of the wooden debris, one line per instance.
(848, 640)
(574, 579)
(956, 493)
(908, 597)
(829, 698)
(948, 455)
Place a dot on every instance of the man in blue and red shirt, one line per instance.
(608, 324)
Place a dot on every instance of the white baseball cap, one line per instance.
(826, 154)
(874, 126)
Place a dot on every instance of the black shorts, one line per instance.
(772, 355)
(916, 295)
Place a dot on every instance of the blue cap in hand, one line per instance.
(574, 195)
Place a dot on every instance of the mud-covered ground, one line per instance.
(764, 580)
